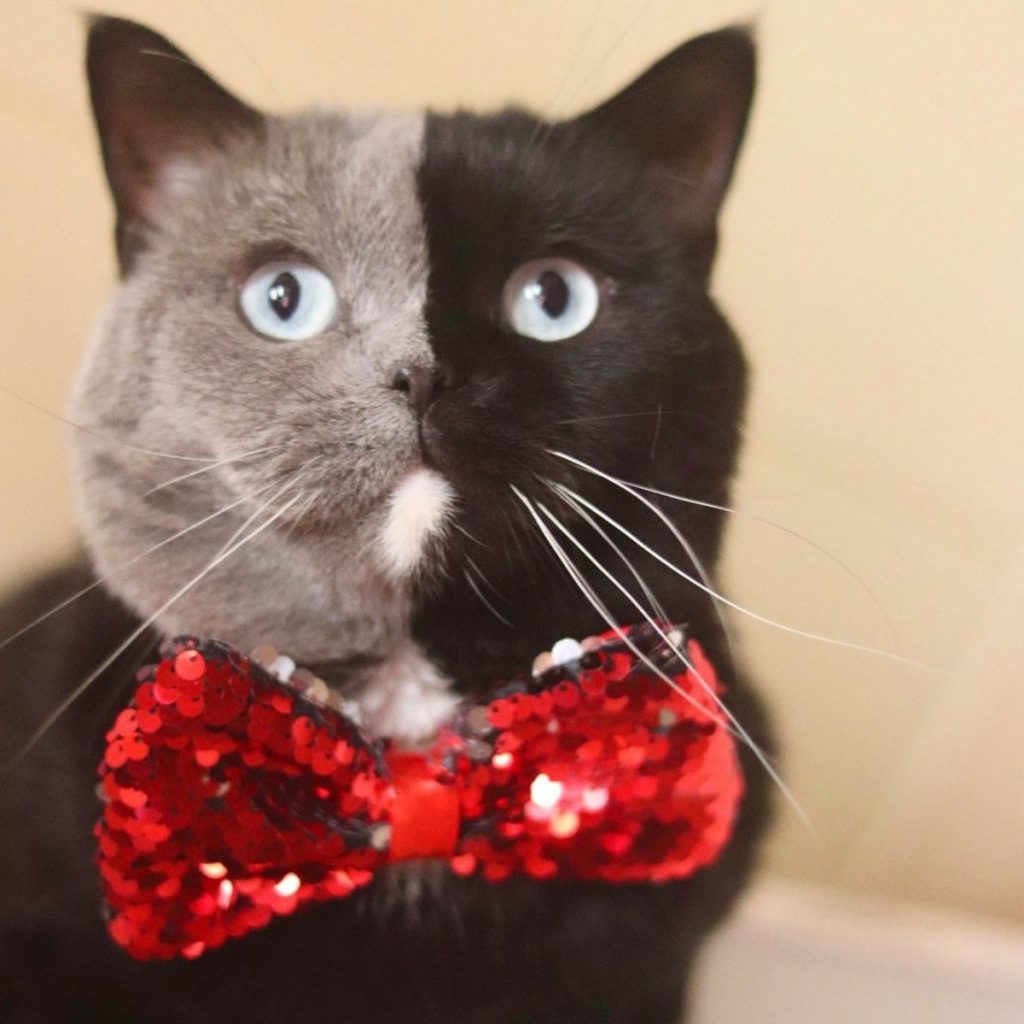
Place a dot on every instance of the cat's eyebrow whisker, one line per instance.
(102, 437)
(551, 109)
(229, 30)
(123, 565)
(652, 599)
(177, 58)
(728, 602)
(70, 699)
(207, 469)
(535, 142)
(731, 724)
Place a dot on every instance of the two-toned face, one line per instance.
(350, 353)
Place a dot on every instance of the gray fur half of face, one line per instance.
(175, 369)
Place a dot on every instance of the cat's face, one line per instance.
(374, 330)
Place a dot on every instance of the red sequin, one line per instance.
(233, 799)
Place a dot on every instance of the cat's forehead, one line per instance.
(339, 188)
(335, 157)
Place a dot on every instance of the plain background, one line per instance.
(871, 259)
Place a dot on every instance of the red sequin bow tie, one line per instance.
(231, 798)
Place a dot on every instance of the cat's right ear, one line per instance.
(153, 105)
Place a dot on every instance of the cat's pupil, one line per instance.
(283, 293)
(554, 293)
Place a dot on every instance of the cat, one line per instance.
(350, 354)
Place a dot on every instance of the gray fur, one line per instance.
(174, 368)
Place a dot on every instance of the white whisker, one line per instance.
(61, 708)
(705, 577)
(99, 436)
(124, 565)
(750, 613)
(740, 731)
(564, 493)
(291, 481)
(796, 535)
(602, 609)
(479, 593)
(207, 469)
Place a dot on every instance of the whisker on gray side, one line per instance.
(290, 482)
(79, 690)
(102, 437)
(124, 565)
(207, 469)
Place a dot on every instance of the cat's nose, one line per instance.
(421, 384)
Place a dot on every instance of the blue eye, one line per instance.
(550, 299)
(289, 301)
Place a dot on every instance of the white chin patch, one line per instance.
(417, 512)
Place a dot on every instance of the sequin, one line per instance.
(545, 792)
(232, 798)
(189, 665)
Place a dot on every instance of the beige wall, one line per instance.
(872, 259)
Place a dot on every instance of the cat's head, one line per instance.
(357, 339)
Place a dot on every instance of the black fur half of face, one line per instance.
(651, 391)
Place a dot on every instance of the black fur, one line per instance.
(652, 391)
(662, 361)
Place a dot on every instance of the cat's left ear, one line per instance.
(686, 116)
(154, 106)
